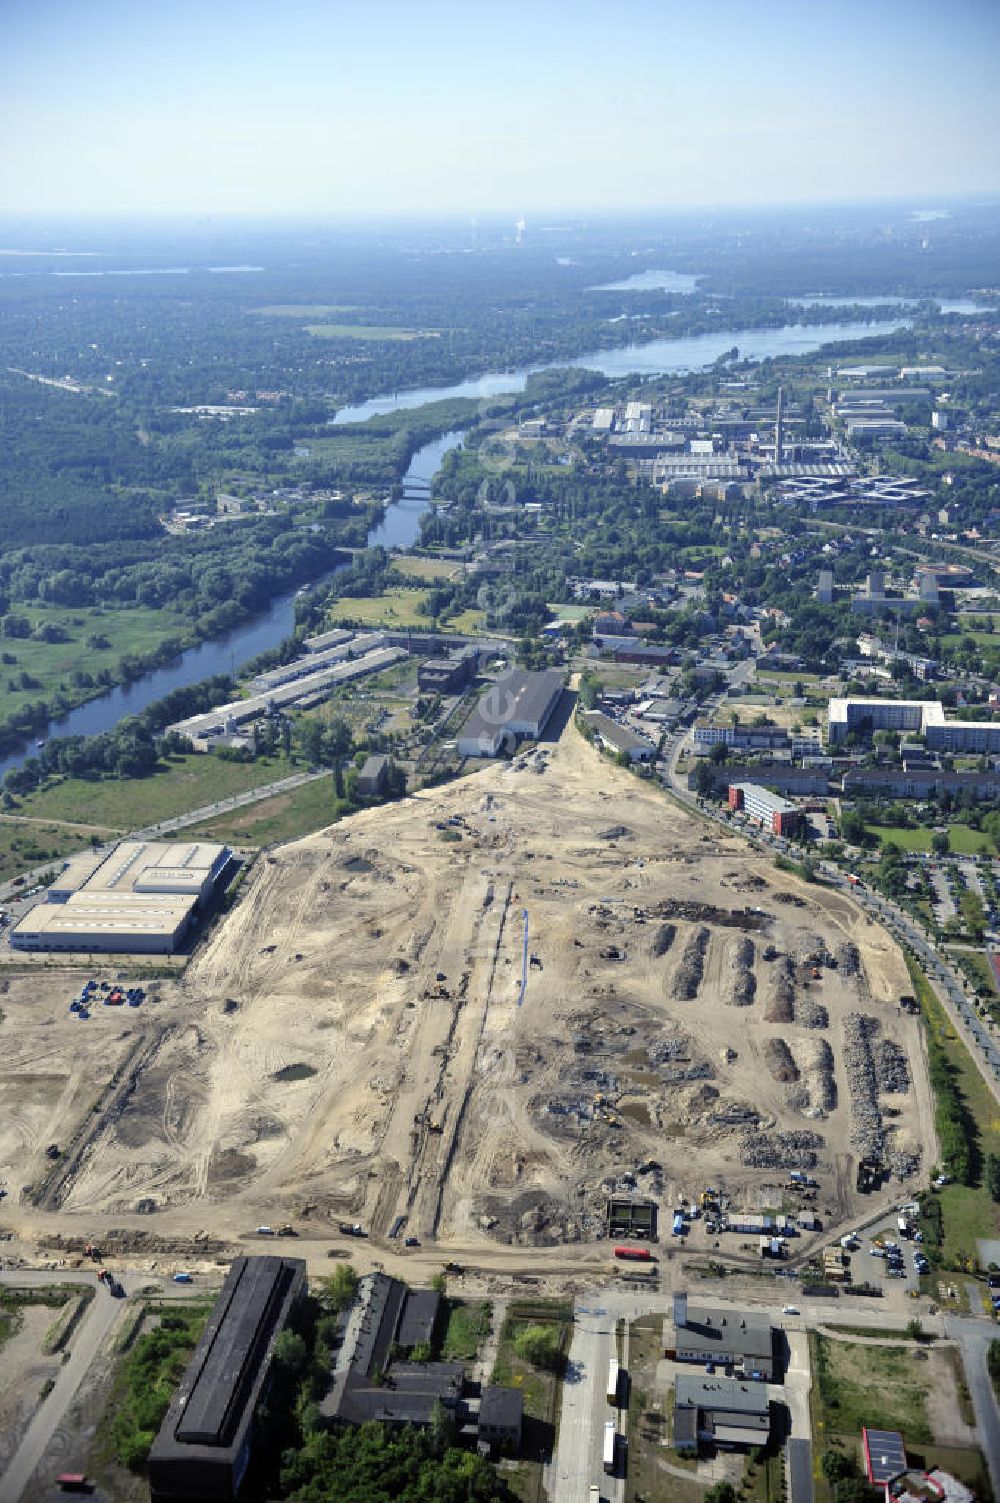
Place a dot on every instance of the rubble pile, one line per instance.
(781, 1150)
(780, 1061)
(816, 1060)
(780, 1005)
(848, 959)
(892, 1069)
(687, 977)
(663, 938)
(810, 1013)
(867, 1131)
(743, 982)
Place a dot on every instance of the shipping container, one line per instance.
(635, 1254)
(613, 1381)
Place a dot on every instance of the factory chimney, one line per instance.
(778, 427)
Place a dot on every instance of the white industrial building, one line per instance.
(516, 707)
(618, 739)
(142, 897)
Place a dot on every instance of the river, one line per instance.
(400, 527)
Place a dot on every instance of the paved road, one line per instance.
(800, 1472)
(578, 1460)
(237, 801)
(974, 1337)
(84, 1345)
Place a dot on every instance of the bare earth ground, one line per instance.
(311, 1062)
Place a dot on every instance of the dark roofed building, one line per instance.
(372, 777)
(420, 1313)
(721, 1412)
(203, 1446)
(445, 675)
(500, 1414)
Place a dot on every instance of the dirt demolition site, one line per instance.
(467, 1018)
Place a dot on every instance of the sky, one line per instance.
(333, 107)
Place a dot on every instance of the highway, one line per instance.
(84, 1345)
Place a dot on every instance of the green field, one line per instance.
(967, 1211)
(397, 607)
(465, 621)
(25, 844)
(183, 784)
(425, 568)
(468, 1326)
(962, 841)
(571, 612)
(50, 664)
(369, 331)
(286, 816)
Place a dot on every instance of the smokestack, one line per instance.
(778, 428)
(680, 1311)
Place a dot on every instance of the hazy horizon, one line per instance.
(317, 111)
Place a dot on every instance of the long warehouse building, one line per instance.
(142, 898)
(203, 1447)
(202, 730)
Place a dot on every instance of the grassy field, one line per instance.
(286, 816)
(184, 783)
(967, 1211)
(465, 621)
(369, 331)
(397, 607)
(571, 612)
(877, 1386)
(468, 1326)
(962, 841)
(49, 665)
(25, 845)
(425, 568)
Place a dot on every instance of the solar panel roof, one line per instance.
(885, 1455)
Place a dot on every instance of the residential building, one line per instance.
(771, 810)
(924, 717)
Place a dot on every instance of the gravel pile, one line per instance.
(780, 1150)
(663, 939)
(780, 1061)
(780, 1005)
(743, 982)
(691, 969)
(867, 1131)
(892, 1069)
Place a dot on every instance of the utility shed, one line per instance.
(371, 779)
(203, 1446)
